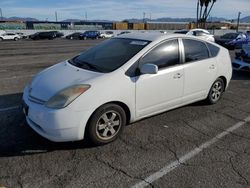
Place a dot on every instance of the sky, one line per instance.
(118, 9)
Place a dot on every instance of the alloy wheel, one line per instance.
(217, 90)
(108, 125)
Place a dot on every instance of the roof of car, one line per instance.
(149, 36)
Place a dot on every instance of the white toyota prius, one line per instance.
(123, 80)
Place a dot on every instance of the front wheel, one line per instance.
(216, 91)
(106, 124)
(15, 39)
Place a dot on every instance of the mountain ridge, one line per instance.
(134, 20)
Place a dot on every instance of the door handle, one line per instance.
(177, 75)
(212, 67)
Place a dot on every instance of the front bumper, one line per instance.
(58, 125)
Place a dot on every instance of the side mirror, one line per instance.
(149, 69)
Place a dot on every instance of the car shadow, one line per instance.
(18, 139)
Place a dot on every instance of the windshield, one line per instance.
(109, 55)
(230, 36)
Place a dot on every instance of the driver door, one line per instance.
(159, 92)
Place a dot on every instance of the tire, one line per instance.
(15, 39)
(71, 38)
(106, 124)
(84, 38)
(1, 39)
(216, 91)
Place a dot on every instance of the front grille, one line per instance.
(36, 125)
(235, 65)
(36, 100)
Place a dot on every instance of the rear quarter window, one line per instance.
(195, 50)
(214, 50)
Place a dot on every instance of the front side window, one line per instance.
(164, 55)
(109, 55)
(195, 50)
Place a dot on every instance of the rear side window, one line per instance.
(164, 55)
(195, 50)
(214, 50)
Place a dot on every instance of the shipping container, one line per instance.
(121, 26)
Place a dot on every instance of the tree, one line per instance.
(202, 14)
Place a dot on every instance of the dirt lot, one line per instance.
(172, 140)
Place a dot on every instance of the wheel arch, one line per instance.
(224, 80)
(119, 103)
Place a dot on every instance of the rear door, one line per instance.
(200, 70)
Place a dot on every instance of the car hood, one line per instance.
(52, 80)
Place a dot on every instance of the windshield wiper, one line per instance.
(86, 65)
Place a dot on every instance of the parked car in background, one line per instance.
(107, 34)
(242, 60)
(123, 32)
(75, 35)
(22, 35)
(183, 31)
(202, 33)
(2, 32)
(228, 37)
(9, 36)
(58, 34)
(46, 35)
(90, 35)
(163, 32)
(123, 80)
(238, 42)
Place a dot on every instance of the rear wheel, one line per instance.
(1, 39)
(216, 91)
(106, 124)
(15, 38)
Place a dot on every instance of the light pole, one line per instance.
(238, 22)
(56, 15)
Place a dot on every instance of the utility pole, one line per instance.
(144, 15)
(1, 14)
(56, 15)
(238, 22)
(86, 16)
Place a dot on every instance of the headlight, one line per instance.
(66, 96)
